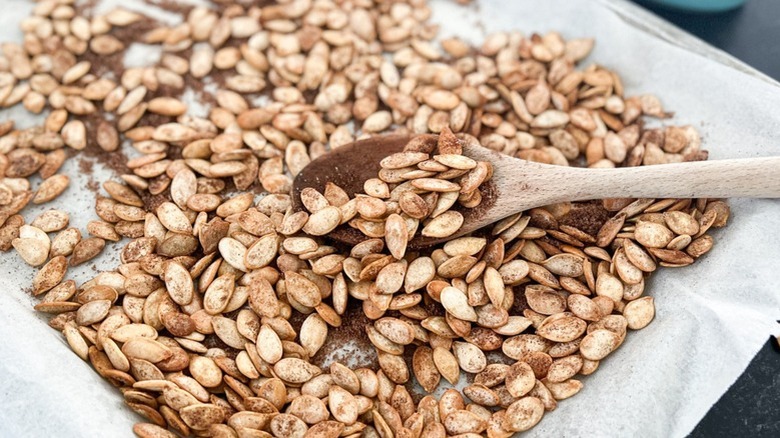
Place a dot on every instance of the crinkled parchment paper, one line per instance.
(712, 317)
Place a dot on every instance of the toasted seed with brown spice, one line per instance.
(86, 249)
(51, 188)
(444, 225)
(523, 414)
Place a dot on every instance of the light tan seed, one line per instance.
(464, 422)
(401, 160)
(179, 284)
(218, 294)
(376, 188)
(335, 195)
(288, 426)
(262, 252)
(309, 408)
(514, 272)
(564, 390)
(130, 331)
(652, 235)
(523, 414)
(564, 368)
(183, 187)
(567, 265)
(323, 221)
(446, 364)
(233, 252)
(50, 275)
(520, 379)
(51, 188)
(299, 245)
(205, 371)
(494, 285)
(86, 249)
(470, 358)
(456, 303)
(294, 370)
(122, 193)
(103, 230)
(149, 430)
(394, 367)
(107, 136)
(561, 328)
(313, 334)
(302, 289)
(444, 225)
(598, 344)
(92, 312)
(167, 106)
(638, 256)
(395, 330)
(146, 349)
(456, 161)
(435, 185)
(583, 307)
(514, 325)
(226, 330)
(313, 200)
(681, 223)
(639, 313)
(518, 346)
(700, 246)
(75, 340)
(269, 346)
(626, 270)
(33, 251)
(608, 285)
(382, 343)
(425, 369)
(342, 405)
(413, 205)
(445, 202)
(371, 208)
(396, 235)
(544, 300)
(201, 416)
(441, 100)
(468, 246)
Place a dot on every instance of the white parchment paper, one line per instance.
(711, 319)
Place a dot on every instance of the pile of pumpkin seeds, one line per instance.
(195, 327)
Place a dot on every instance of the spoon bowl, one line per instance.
(339, 167)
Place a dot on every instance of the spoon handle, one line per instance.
(750, 178)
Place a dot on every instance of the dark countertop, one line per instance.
(751, 407)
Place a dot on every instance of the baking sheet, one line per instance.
(711, 318)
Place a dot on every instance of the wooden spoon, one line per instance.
(519, 185)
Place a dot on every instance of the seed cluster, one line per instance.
(210, 324)
(420, 184)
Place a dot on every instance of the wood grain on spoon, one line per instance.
(519, 185)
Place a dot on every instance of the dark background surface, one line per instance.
(751, 407)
